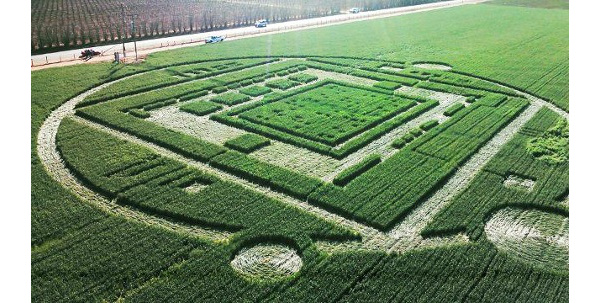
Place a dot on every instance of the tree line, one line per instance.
(60, 24)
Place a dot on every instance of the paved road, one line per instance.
(152, 45)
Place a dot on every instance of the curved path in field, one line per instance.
(403, 237)
(52, 161)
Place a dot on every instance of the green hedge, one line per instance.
(247, 143)
(140, 113)
(398, 143)
(388, 85)
(255, 90)
(450, 111)
(492, 100)
(303, 78)
(230, 98)
(219, 89)
(254, 170)
(200, 108)
(194, 95)
(429, 125)
(282, 84)
(159, 104)
(354, 171)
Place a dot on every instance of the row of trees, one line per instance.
(57, 24)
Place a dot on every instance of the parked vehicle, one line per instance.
(261, 23)
(354, 10)
(214, 39)
(88, 54)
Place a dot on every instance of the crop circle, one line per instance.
(532, 236)
(267, 262)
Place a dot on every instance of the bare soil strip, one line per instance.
(433, 66)
(513, 181)
(298, 159)
(198, 126)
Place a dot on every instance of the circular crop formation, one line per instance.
(535, 237)
(331, 131)
(267, 262)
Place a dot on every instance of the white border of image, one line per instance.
(584, 116)
(584, 209)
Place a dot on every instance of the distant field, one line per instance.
(560, 4)
(522, 47)
(61, 24)
(405, 159)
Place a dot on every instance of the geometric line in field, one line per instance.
(403, 236)
(55, 166)
(337, 112)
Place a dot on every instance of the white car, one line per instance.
(261, 23)
(354, 10)
(214, 39)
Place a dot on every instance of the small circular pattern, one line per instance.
(267, 262)
(532, 236)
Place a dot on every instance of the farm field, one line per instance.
(59, 25)
(430, 165)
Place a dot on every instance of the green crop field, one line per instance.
(418, 158)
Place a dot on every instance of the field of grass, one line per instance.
(552, 4)
(431, 173)
(522, 47)
(328, 114)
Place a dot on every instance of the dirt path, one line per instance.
(146, 47)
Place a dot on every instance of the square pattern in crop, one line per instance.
(384, 149)
(329, 114)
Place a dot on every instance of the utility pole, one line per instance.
(133, 16)
(124, 27)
